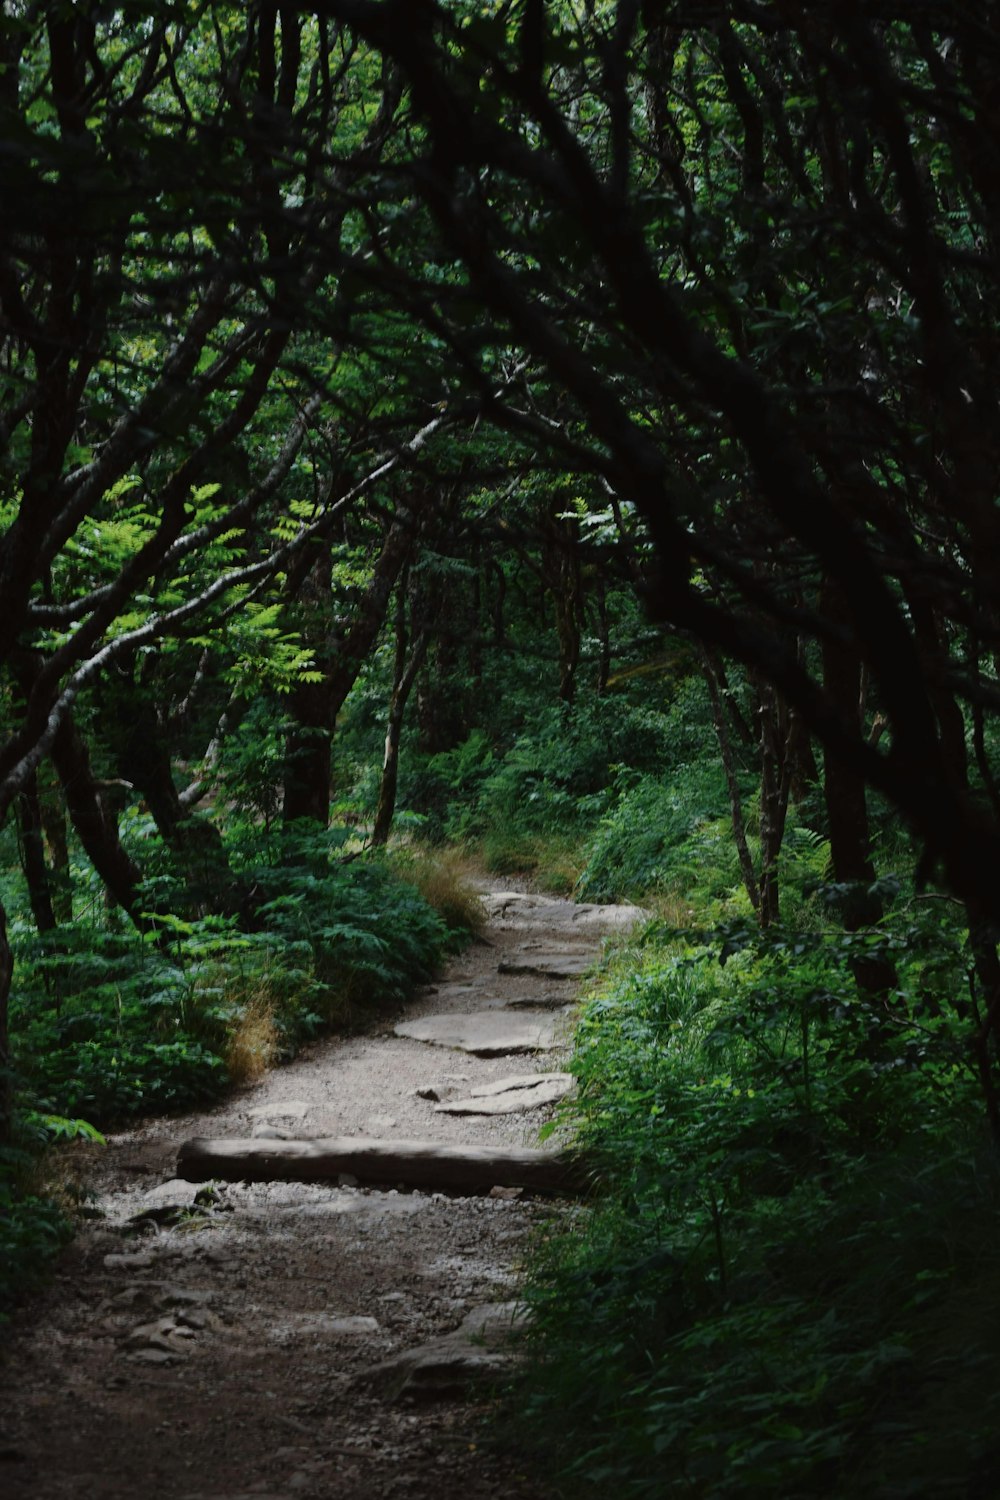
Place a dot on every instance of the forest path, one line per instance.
(302, 1341)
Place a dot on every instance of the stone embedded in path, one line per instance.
(280, 1109)
(548, 1000)
(447, 1366)
(173, 1194)
(487, 1033)
(527, 909)
(566, 963)
(366, 1204)
(446, 992)
(333, 1325)
(423, 1164)
(166, 1335)
(513, 1095)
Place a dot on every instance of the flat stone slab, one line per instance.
(550, 1000)
(280, 1109)
(514, 1095)
(173, 1194)
(320, 1324)
(476, 1351)
(488, 1033)
(568, 964)
(527, 909)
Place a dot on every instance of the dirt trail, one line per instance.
(292, 1341)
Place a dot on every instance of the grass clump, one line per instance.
(443, 877)
(550, 860)
(254, 1043)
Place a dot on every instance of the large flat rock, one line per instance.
(563, 963)
(527, 909)
(514, 1095)
(488, 1033)
(485, 994)
(543, 1000)
(280, 1109)
(478, 1350)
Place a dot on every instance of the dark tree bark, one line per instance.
(307, 773)
(441, 713)
(53, 813)
(311, 704)
(142, 745)
(562, 578)
(775, 780)
(710, 670)
(603, 622)
(95, 823)
(407, 664)
(32, 842)
(845, 798)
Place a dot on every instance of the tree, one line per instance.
(178, 432)
(754, 248)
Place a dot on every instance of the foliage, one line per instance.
(108, 1025)
(525, 318)
(443, 879)
(33, 1228)
(552, 779)
(774, 1292)
(663, 833)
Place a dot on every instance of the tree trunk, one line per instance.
(406, 668)
(561, 573)
(710, 670)
(846, 803)
(144, 762)
(36, 873)
(95, 824)
(310, 704)
(315, 706)
(775, 782)
(53, 812)
(6, 1072)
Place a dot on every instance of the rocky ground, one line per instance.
(291, 1339)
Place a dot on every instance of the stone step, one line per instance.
(468, 1170)
(515, 1095)
(489, 1033)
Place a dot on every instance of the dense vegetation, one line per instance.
(562, 431)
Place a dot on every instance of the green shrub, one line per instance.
(33, 1228)
(109, 1024)
(554, 777)
(664, 834)
(786, 1284)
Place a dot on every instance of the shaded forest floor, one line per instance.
(246, 1340)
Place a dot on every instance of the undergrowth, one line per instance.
(786, 1284)
(108, 1023)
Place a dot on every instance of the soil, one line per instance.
(300, 1341)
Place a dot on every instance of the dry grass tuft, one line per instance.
(253, 1043)
(669, 907)
(552, 863)
(444, 879)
